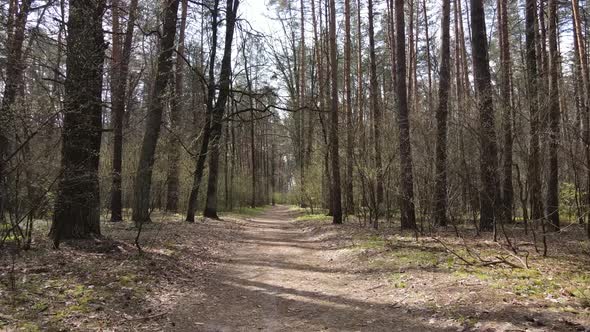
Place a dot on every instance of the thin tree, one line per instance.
(334, 154)
(506, 106)
(202, 156)
(121, 54)
(143, 179)
(348, 105)
(374, 96)
(77, 206)
(585, 74)
(534, 171)
(408, 215)
(554, 115)
(219, 110)
(440, 191)
(14, 70)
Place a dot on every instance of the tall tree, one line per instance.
(506, 106)
(440, 192)
(534, 171)
(374, 96)
(176, 112)
(121, 55)
(585, 75)
(77, 206)
(15, 66)
(408, 214)
(348, 102)
(202, 156)
(554, 115)
(143, 178)
(219, 110)
(334, 153)
(489, 197)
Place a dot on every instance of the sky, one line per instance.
(257, 13)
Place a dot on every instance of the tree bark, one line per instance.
(374, 95)
(14, 70)
(176, 113)
(440, 192)
(554, 114)
(489, 195)
(348, 99)
(408, 215)
(200, 164)
(77, 207)
(534, 172)
(585, 74)
(506, 104)
(334, 153)
(219, 111)
(143, 179)
(119, 77)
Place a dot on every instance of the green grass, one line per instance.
(314, 217)
(372, 242)
(247, 211)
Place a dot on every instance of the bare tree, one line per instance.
(143, 178)
(121, 55)
(219, 110)
(554, 115)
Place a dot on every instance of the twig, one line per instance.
(148, 317)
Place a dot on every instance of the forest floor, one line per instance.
(280, 270)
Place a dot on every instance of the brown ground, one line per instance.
(269, 273)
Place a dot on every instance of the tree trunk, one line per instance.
(77, 206)
(506, 104)
(348, 100)
(585, 73)
(143, 179)
(440, 192)
(408, 215)
(374, 91)
(219, 111)
(489, 197)
(200, 164)
(428, 60)
(334, 154)
(14, 70)
(554, 114)
(176, 113)
(119, 77)
(534, 172)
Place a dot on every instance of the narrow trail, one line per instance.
(279, 278)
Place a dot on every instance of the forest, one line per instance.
(295, 165)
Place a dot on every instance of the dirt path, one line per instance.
(279, 278)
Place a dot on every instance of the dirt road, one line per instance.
(280, 278)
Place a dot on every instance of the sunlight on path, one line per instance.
(278, 278)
